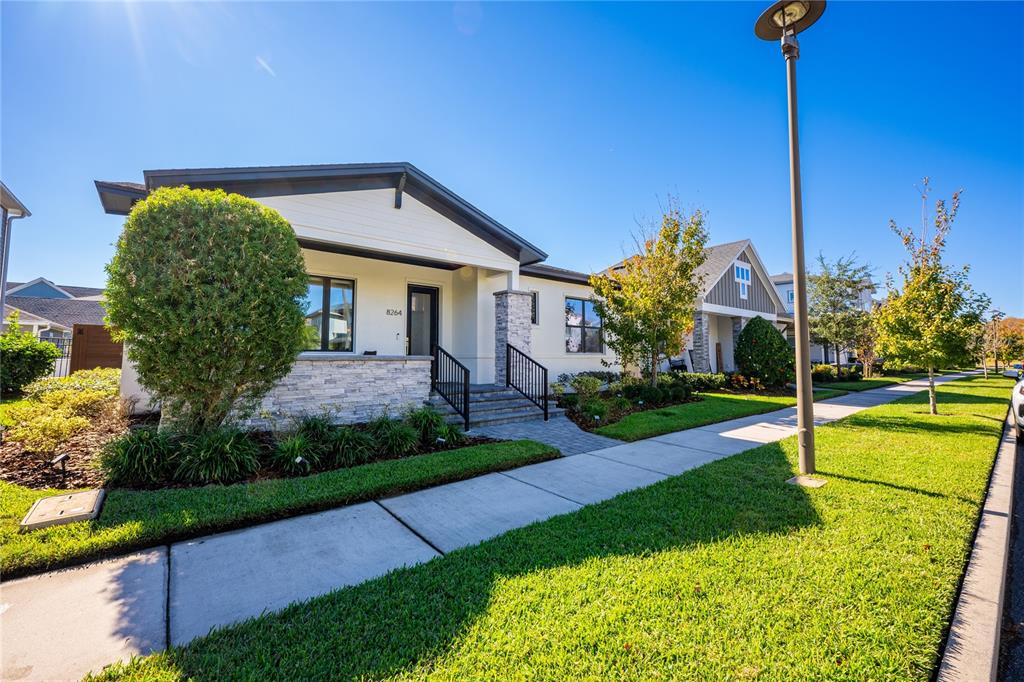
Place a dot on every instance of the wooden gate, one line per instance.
(92, 347)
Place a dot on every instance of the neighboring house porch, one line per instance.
(736, 289)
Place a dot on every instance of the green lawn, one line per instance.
(725, 572)
(873, 382)
(135, 519)
(715, 407)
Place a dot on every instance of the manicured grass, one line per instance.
(725, 572)
(714, 408)
(135, 519)
(873, 382)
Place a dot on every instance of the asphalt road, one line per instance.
(1012, 667)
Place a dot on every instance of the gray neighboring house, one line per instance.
(50, 311)
(737, 288)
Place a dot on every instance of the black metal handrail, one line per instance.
(527, 376)
(450, 378)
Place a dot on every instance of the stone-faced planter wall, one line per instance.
(354, 388)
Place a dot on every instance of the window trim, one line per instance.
(581, 327)
(325, 282)
(745, 282)
(790, 296)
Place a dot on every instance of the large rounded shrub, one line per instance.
(23, 357)
(762, 352)
(204, 288)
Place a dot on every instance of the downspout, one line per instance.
(6, 248)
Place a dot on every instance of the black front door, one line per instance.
(421, 323)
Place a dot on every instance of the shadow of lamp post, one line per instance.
(782, 21)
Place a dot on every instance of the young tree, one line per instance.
(204, 288)
(647, 303)
(834, 304)
(931, 319)
(865, 339)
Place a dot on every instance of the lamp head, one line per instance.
(788, 17)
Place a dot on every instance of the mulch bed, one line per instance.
(33, 471)
(588, 424)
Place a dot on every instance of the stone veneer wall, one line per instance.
(701, 342)
(511, 325)
(354, 388)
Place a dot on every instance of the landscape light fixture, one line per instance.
(782, 21)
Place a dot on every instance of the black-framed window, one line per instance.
(534, 307)
(582, 327)
(334, 330)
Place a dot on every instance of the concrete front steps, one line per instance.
(490, 405)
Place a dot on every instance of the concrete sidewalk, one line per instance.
(62, 624)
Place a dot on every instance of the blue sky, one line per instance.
(566, 122)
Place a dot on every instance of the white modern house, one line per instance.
(424, 291)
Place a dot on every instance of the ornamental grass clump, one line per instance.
(205, 290)
(222, 455)
(141, 457)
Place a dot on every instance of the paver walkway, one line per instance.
(559, 432)
(62, 624)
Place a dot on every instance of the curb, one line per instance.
(972, 647)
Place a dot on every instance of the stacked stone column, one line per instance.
(701, 342)
(511, 326)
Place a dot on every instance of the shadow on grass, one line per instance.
(895, 486)
(412, 616)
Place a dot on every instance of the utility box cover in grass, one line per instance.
(60, 509)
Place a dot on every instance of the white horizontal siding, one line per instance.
(368, 219)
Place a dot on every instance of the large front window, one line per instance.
(582, 327)
(333, 330)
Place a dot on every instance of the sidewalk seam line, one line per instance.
(412, 530)
(505, 474)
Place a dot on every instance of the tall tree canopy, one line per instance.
(932, 320)
(835, 311)
(647, 303)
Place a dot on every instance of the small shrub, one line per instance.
(619, 405)
(762, 352)
(350, 446)
(570, 401)
(140, 457)
(652, 396)
(223, 455)
(452, 434)
(427, 422)
(703, 381)
(744, 383)
(633, 390)
(595, 409)
(106, 380)
(586, 387)
(41, 429)
(293, 455)
(317, 431)
(823, 373)
(25, 358)
(83, 403)
(393, 437)
(679, 394)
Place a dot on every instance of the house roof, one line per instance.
(551, 272)
(782, 278)
(66, 312)
(11, 203)
(73, 291)
(262, 181)
(719, 258)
